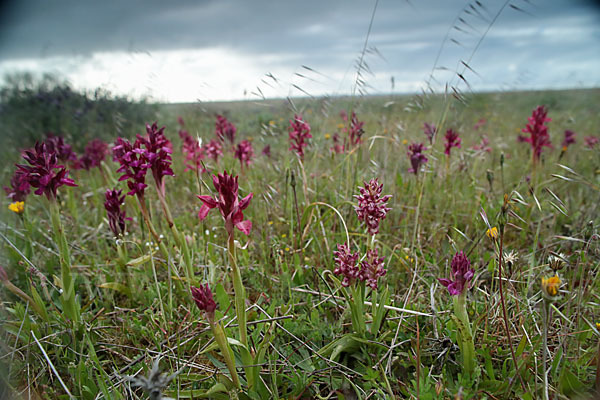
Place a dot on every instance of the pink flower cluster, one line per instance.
(538, 131)
(149, 152)
(460, 275)
(416, 156)
(244, 153)
(371, 268)
(225, 129)
(299, 134)
(568, 140)
(19, 186)
(429, 130)
(43, 171)
(192, 152)
(451, 140)
(116, 214)
(371, 206)
(203, 298)
(95, 152)
(371, 209)
(227, 202)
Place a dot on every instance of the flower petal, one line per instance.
(203, 211)
(208, 201)
(244, 226)
(445, 282)
(246, 201)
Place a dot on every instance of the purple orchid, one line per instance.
(460, 275)
(371, 207)
(228, 203)
(44, 172)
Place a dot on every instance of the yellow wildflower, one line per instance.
(550, 286)
(284, 236)
(340, 126)
(271, 122)
(17, 207)
(327, 136)
(287, 249)
(270, 222)
(405, 142)
(598, 325)
(492, 232)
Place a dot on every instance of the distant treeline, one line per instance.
(31, 107)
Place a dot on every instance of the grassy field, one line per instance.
(88, 315)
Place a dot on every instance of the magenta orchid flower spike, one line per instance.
(244, 153)
(372, 268)
(116, 214)
(451, 140)
(538, 131)
(56, 144)
(203, 298)
(591, 141)
(569, 139)
(460, 275)
(371, 207)
(134, 165)
(19, 186)
(43, 171)
(299, 134)
(158, 152)
(356, 130)
(429, 130)
(95, 152)
(346, 264)
(213, 149)
(228, 203)
(225, 129)
(416, 156)
(192, 151)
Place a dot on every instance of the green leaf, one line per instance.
(521, 346)
(222, 297)
(138, 261)
(119, 287)
(569, 384)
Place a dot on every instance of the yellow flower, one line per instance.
(284, 236)
(492, 233)
(17, 207)
(287, 249)
(550, 286)
(327, 136)
(405, 141)
(340, 126)
(598, 325)
(270, 222)
(271, 122)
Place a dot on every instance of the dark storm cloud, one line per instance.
(541, 39)
(62, 27)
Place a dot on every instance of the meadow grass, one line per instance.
(138, 318)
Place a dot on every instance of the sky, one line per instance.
(215, 50)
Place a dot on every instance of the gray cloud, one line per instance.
(325, 35)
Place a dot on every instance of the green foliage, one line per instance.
(135, 305)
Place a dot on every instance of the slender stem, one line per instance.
(546, 310)
(240, 310)
(467, 346)
(416, 224)
(68, 284)
(239, 291)
(512, 350)
(221, 340)
(179, 239)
